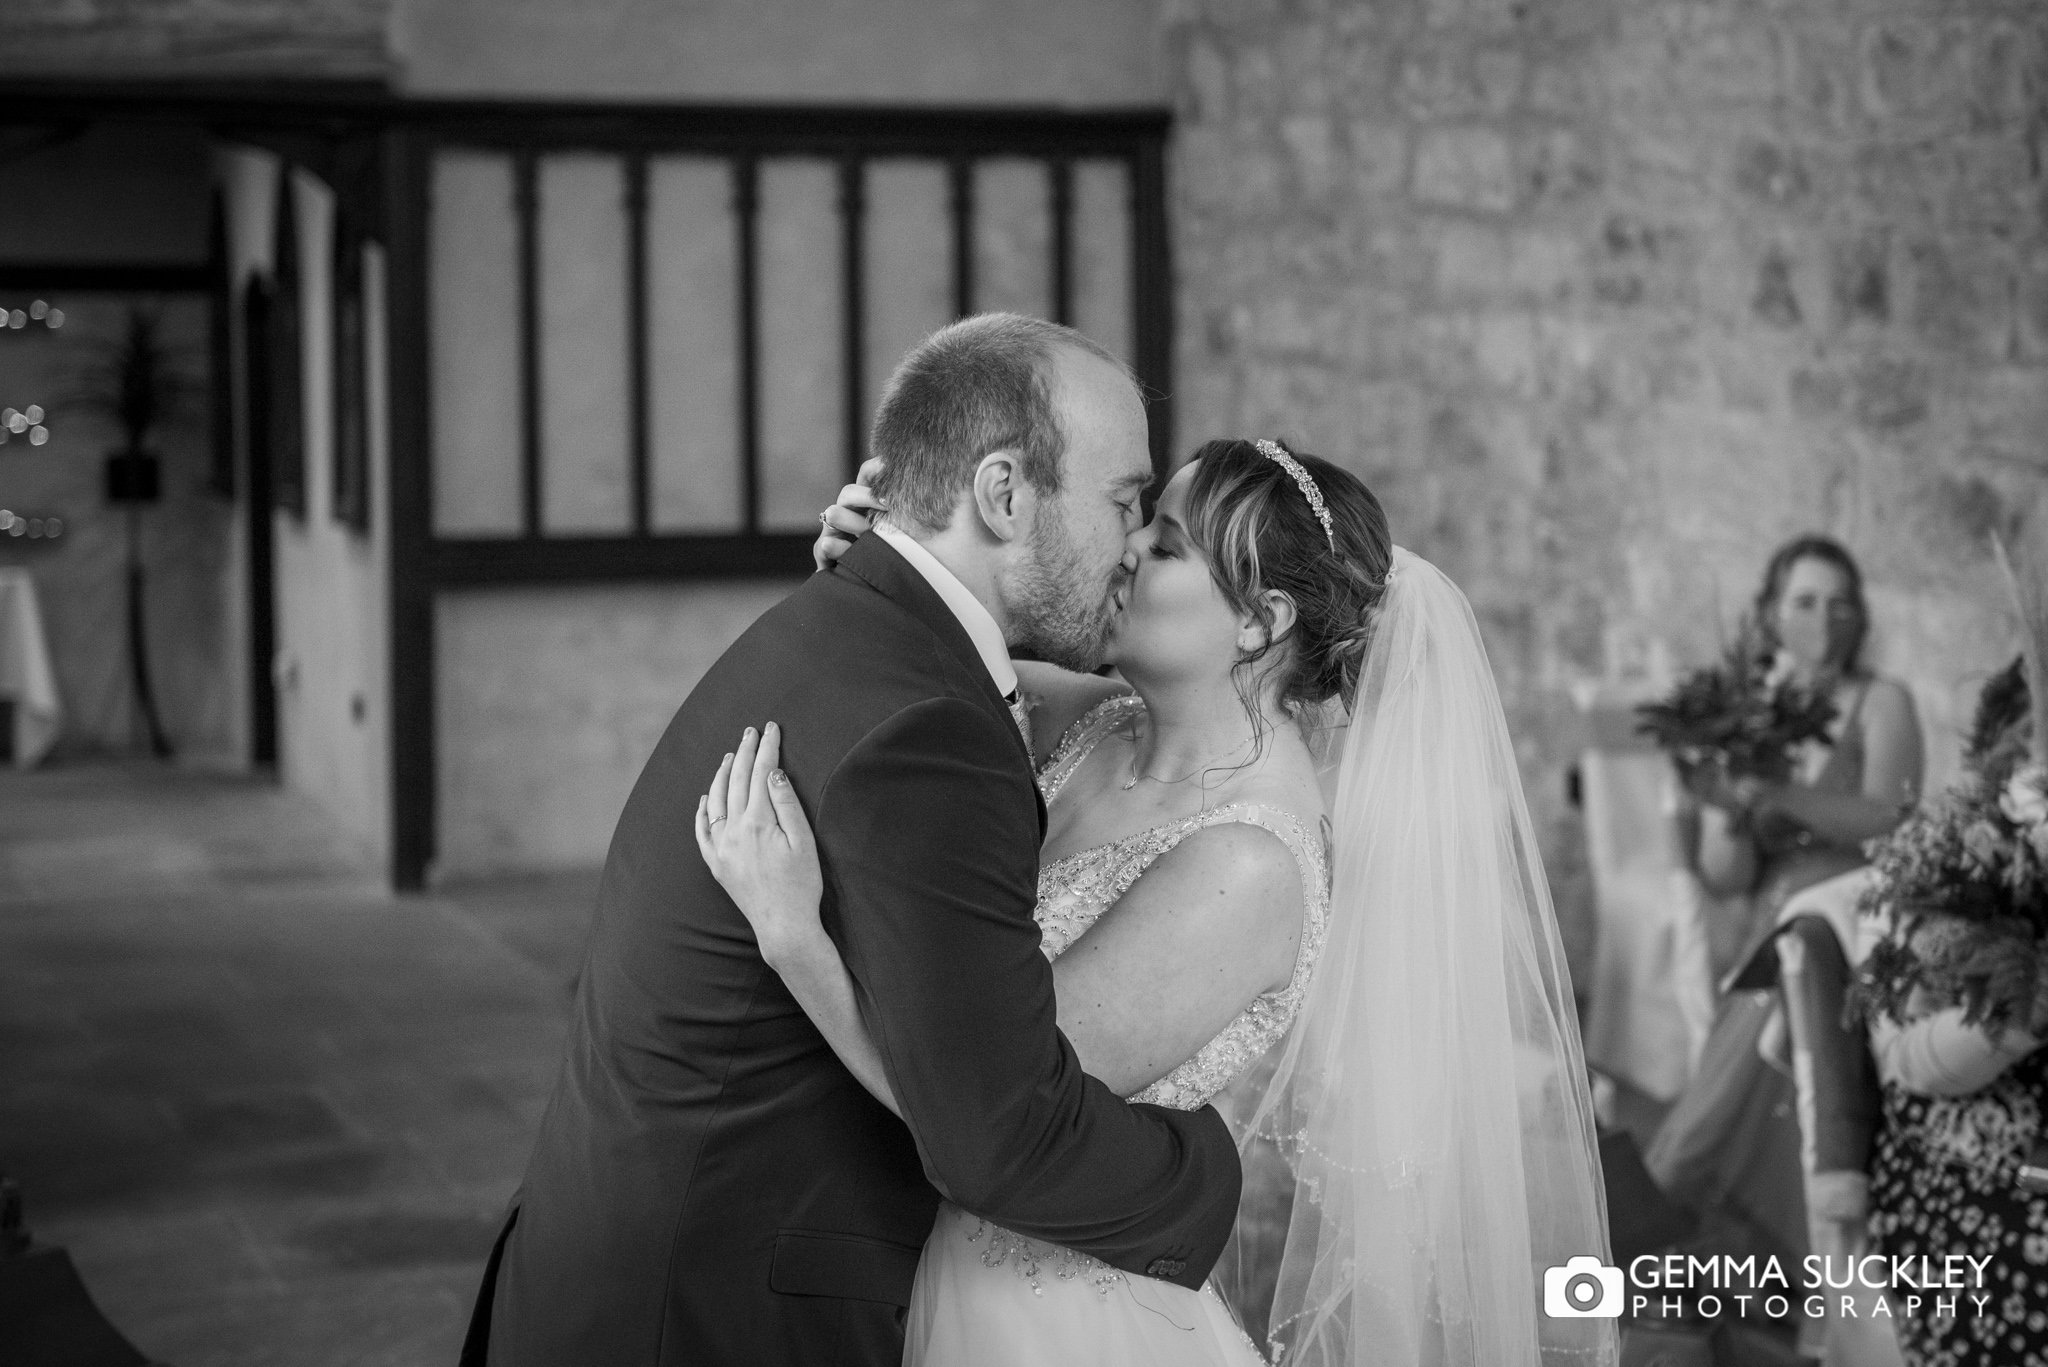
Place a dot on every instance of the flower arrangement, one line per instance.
(1737, 719)
(1964, 880)
(138, 383)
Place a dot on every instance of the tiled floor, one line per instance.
(271, 1110)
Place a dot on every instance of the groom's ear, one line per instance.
(1003, 500)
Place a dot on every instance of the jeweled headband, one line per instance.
(1273, 451)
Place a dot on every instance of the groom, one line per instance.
(710, 1185)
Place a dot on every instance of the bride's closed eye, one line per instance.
(1166, 540)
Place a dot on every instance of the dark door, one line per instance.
(257, 326)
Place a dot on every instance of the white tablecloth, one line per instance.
(25, 673)
(1653, 979)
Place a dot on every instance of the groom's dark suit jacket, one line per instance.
(710, 1185)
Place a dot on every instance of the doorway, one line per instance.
(120, 224)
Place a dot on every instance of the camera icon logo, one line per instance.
(1584, 1288)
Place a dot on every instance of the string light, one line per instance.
(31, 528)
(15, 422)
(41, 311)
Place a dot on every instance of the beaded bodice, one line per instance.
(1075, 891)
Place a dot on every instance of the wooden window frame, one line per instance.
(375, 148)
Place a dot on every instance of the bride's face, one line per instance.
(1174, 622)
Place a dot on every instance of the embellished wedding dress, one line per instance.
(992, 1298)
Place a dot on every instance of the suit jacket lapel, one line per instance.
(876, 563)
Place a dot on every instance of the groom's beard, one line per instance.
(1059, 613)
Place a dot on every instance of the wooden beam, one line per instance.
(1060, 188)
(853, 214)
(470, 562)
(746, 210)
(108, 276)
(637, 365)
(960, 206)
(1152, 296)
(526, 216)
(410, 513)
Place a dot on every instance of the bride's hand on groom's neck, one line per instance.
(850, 518)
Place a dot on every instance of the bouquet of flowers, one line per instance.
(1966, 882)
(1737, 719)
(1965, 879)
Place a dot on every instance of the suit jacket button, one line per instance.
(1166, 1267)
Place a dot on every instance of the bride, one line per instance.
(1391, 954)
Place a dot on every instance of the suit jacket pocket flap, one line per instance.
(851, 1266)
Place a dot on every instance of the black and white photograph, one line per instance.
(1099, 683)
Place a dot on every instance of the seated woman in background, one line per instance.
(1771, 840)
(1730, 1148)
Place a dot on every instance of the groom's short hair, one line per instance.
(982, 384)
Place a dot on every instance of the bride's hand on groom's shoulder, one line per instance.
(757, 842)
(849, 518)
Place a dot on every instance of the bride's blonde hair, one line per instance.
(1259, 533)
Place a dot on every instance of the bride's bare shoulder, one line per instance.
(1059, 698)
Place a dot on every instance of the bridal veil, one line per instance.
(1432, 1100)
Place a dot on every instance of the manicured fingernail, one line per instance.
(748, 734)
(771, 726)
(778, 778)
(728, 757)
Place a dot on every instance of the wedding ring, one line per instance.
(825, 518)
(715, 820)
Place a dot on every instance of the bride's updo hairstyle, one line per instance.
(1259, 533)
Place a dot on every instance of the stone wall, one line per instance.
(1078, 52)
(181, 38)
(1607, 297)
(1073, 52)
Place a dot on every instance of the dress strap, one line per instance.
(1856, 707)
(1082, 737)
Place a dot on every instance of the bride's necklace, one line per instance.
(1204, 767)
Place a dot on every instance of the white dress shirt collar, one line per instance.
(974, 617)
